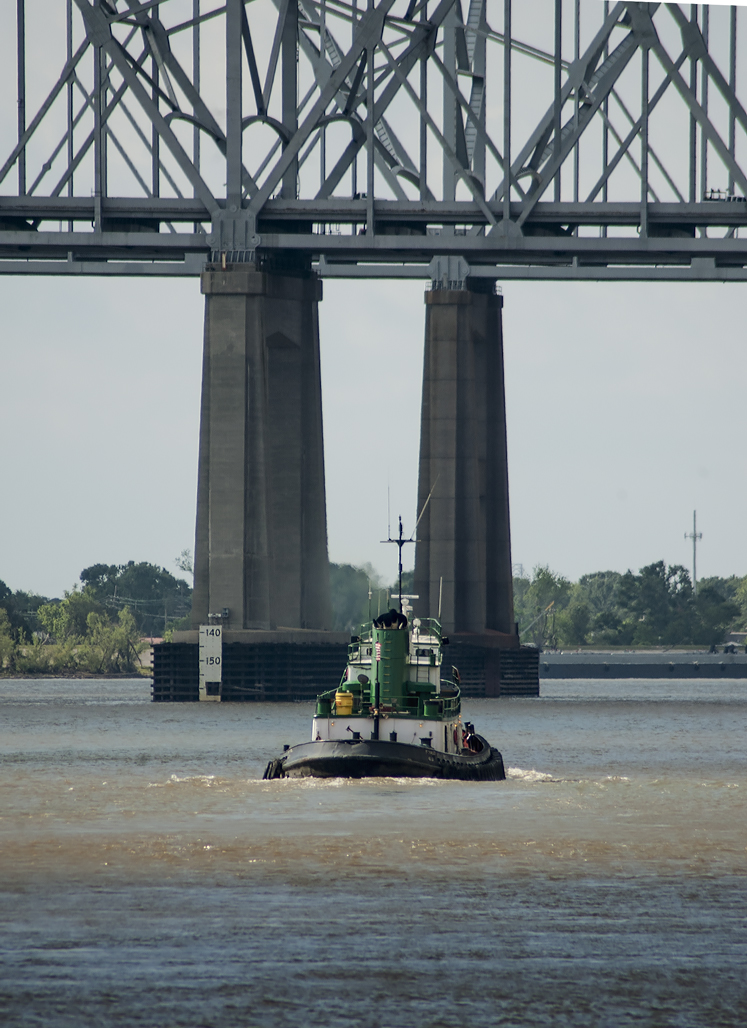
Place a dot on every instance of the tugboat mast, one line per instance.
(399, 543)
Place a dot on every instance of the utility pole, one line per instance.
(694, 535)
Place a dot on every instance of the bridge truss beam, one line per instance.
(588, 140)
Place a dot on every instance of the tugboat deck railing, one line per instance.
(426, 640)
(448, 703)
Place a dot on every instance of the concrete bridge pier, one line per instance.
(261, 535)
(463, 554)
(261, 538)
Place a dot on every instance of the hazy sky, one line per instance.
(625, 412)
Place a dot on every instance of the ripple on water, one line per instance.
(151, 877)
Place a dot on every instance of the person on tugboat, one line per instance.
(391, 620)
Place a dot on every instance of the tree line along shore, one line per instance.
(102, 625)
(655, 607)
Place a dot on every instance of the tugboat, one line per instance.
(393, 714)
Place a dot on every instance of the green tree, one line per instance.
(21, 608)
(714, 615)
(600, 592)
(657, 606)
(537, 605)
(111, 647)
(521, 585)
(154, 596)
(728, 588)
(7, 643)
(732, 589)
(740, 597)
(33, 657)
(573, 624)
(68, 618)
(185, 562)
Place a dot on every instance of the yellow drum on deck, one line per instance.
(343, 703)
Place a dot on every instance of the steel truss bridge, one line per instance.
(558, 139)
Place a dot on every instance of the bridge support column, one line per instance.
(463, 552)
(261, 537)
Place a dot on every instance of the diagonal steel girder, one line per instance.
(325, 61)
(369, 32)
(582, 70)
(62, 81)
(157, 40)
(453, 158)
(597, 84)
(542, 155)
(624, 147)
(594, 85)
(389, 151)
(100, 34)
(422, 39)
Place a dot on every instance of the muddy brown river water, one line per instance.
(148, 876)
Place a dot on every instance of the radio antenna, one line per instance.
(399, 542)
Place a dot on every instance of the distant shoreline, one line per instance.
(20, 676)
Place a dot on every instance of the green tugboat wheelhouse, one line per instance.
(394, 714)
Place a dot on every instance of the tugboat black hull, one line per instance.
(382, 759)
